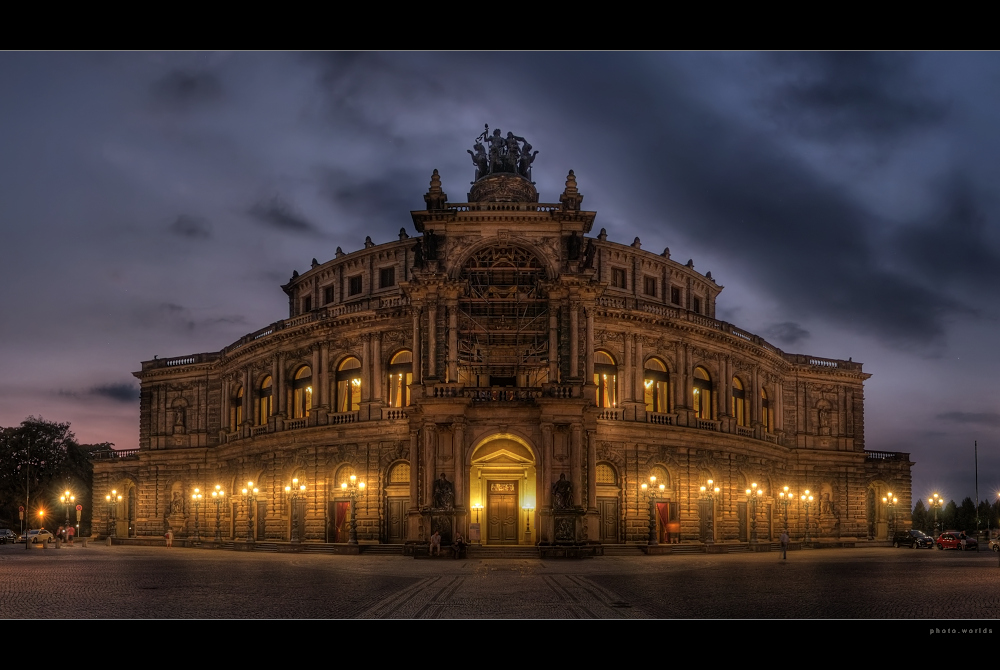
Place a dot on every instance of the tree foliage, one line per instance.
(919, 517)
(39, 460)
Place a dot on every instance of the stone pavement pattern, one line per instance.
(155, 582)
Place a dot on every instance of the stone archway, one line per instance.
(502, 492)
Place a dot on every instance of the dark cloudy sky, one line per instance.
(151, 204)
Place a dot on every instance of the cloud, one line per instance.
(181, 89)
(835, 96)
(117, 392)
(378, 205)
(788, 333)
(191, 227)
(278, 214)
(984, 418)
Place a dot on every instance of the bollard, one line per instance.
(107, 540)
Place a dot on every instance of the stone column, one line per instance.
(458, 448)
(755, 405)
(640, 388)
(576, 461)
(627, 385)
(377, 381)
(415, 470)
(574, 339)
(366, 366)
(417, 353)
(590, 345)
(432, 338)
(248, 395)
(324, 376)
(553, 344)
(545, 500)
(278, 385)
(430, 461)
(227, 404)
(591, 470)
(452, 305)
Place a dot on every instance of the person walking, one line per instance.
(784, 544)
(70, 532)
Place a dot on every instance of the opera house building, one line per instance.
(504, 373)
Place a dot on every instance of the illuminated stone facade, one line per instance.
(508, 376)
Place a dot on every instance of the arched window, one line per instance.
(344, 473)
(702, 394)
(655, 385)
(400, 378)
(236, 410)
(605, 377)
(349, 385)
(265, 405)
(765, 410)
(302, 392)
(606, 474)
(400, 474)
(739, 404)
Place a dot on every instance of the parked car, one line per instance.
(40, 535)
(952, 539)
(995, 544)
(914, 539)
(7, 535)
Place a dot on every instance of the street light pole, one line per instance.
(249, 498)
(785, 499)
(218, 496)
(709, 492)
(890, 502)
(352, 489)
(652, 493)
(196, 499)
(807, 500)
(293, 492)
(113, 498)
(754, 493)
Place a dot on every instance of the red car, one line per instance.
(952, 539)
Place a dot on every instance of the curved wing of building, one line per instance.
(506, 375)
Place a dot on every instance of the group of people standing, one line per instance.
(66, 534)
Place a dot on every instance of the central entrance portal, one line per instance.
(502, 490)
(501, 512)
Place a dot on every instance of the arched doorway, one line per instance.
(502, 492)
(609, 502)
(397, 502)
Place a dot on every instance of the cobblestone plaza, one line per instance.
(155, 582)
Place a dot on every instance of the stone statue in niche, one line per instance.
(562, 493)
(444, 493)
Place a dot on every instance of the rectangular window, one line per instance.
(307, 304)
(618, 278)
(386, 277)
(354, 285)
(675, 295)
(696, 305)
(327, 295)
(649, 286)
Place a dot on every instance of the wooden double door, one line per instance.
(502, 512)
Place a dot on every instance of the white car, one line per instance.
(42, 535)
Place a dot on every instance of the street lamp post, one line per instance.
(708, 492)
(890, 503)
(67, 499)
(806, 499)
(293, 492)
(653, 492)
(936, 503)
(113, 499)
(479, 538)
(196, 499)
(785, 498)
(218, 497)
(754, 493)
(352, 489)
(249, 499)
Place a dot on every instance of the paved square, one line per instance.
(156, 582)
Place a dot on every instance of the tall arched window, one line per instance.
(765, 410)
(236, 410)
(349, 385)
(400, 378)
(265, 406)
(739, 404)
(655, 382)
(302, 392)
(702, 394)
(605, 377)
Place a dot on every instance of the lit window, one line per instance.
(264, 401)
(302, 393)
(739, 404)
(606, 474)
(605, 377)
(400, 378)
(349, 385)
(702, 394)
(400, 474)
(655, 385)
